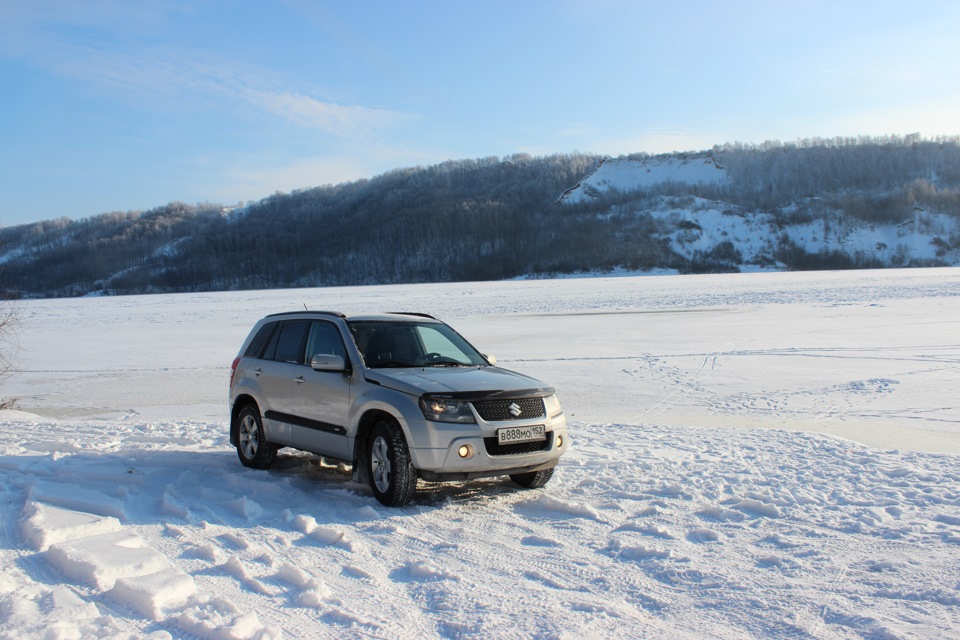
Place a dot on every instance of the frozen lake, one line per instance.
(868, 355)
(753, 456)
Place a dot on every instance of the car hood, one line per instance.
(462, 383)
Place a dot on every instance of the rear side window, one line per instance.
(255, 350)
(288, 343)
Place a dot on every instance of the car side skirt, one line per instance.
(306, 423)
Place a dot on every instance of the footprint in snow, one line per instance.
(537, 541)
(245, 508)
(545, 504)
(591, 607)
(640, 553)
(779, 542)
(236, 568)
(702, 536)
(777, 562)
(647, 530)
(207, 552)
(342, 618)
(358, 573)
(333, 537)
(536, 576)
(424, 570)
(719, 514)
(303, 523)
(753, 507)
(237, 540)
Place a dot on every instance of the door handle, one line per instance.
(298, 380)
(257, 372)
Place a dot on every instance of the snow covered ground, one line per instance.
(755, 455)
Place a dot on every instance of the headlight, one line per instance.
(552, 405)
(444, 410)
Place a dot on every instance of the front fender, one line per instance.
(427, 441)
(400, 406)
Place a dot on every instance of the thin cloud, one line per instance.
(665, 141)
(122, 65)
(329, 117)
(252, 177)
(652, 140)
(255, 180)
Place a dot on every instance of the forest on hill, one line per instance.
(803, 205)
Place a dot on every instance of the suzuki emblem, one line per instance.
(515, 410)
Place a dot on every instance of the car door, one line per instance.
(278, 371)
(321, 400)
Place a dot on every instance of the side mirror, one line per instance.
(327, 362)
(492, 360)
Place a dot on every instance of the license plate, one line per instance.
(521, 434)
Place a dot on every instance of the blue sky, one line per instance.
(111, 105)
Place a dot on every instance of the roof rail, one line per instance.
(326, 313)
(411, 313)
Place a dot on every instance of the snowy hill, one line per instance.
(712, 232)
(754, 456)
(634, 174)
(700, 228)
(815, 205)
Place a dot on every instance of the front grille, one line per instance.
(494, 448)
(499, 410)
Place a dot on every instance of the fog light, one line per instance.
(559, 441)
(464, 451)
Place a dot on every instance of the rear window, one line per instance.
(255, 350)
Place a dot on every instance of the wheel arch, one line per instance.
(361, 442)
(239, 404)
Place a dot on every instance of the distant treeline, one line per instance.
(481, 219)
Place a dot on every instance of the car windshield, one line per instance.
(412, 344)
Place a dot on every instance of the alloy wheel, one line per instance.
(380, 464)
(249, 436)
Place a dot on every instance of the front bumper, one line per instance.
(443, 461)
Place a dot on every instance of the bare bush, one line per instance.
(10, 319)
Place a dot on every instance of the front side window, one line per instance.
(412, 344)
(324, 339)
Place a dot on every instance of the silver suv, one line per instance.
(400, 396)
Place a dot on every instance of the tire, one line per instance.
(252, 446)
(393, 477)
(534, 479)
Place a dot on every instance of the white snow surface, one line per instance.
(754, 455)
(631, 174)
